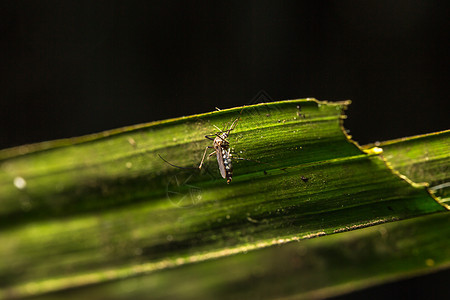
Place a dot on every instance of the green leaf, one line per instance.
(312, 268)
(423, 158)
(86, 212)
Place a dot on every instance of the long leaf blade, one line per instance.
(106, 207)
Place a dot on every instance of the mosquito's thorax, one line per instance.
(221, 140)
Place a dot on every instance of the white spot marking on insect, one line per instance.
(128, 165)
(20, 183)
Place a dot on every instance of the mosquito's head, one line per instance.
(224, 135)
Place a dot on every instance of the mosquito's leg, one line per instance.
(221, 137)
(204, 153)
(247, 159)
(257, 161)
(212, 136)
(224, 140)
(173, 164)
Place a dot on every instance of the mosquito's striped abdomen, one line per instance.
(227, 164)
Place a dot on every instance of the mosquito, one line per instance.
(221, 148)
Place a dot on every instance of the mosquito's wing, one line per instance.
(220, 161)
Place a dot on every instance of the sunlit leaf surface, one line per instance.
(105, 216)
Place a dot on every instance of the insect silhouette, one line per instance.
(221, 148)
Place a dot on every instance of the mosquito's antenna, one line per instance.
(191, 168)
(233, 125)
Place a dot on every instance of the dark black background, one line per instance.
(69, 68)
